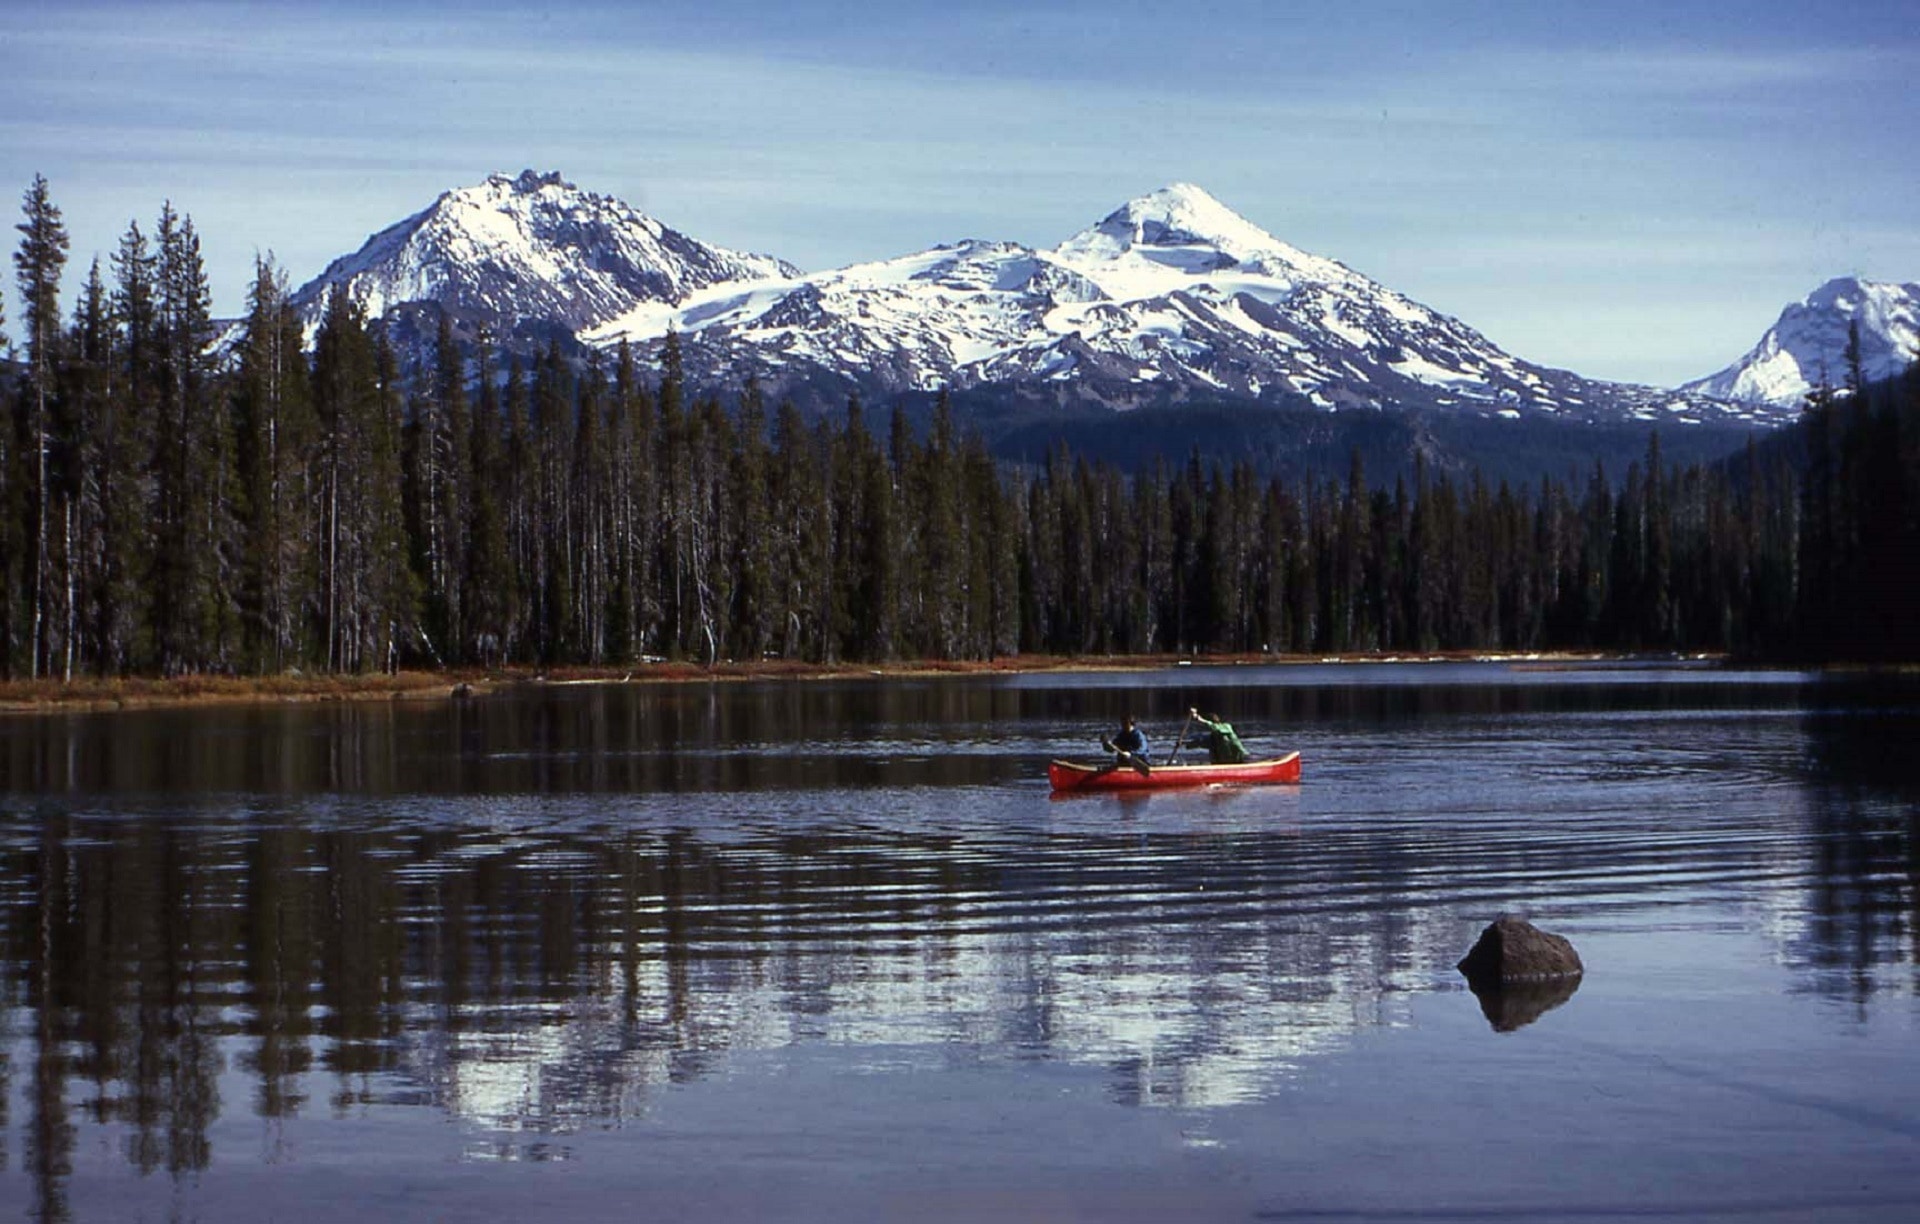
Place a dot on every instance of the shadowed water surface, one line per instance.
(829, 950)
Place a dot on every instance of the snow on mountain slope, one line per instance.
(533, 247)
(1171, 296)
(1808, 345)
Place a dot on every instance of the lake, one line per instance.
(828, 950)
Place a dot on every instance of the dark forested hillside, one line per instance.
(166, 511)
(1859, 542)
(1304, 441)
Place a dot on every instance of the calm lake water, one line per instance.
(829, 951)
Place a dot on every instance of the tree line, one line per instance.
(279, 500)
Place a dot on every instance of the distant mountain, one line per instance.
(1172, 298)
(1809, 343)
(529, 256)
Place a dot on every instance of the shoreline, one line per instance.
(145, 692)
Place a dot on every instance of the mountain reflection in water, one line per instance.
(535, 912)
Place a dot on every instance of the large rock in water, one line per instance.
(1514, 950)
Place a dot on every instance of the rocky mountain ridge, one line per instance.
(527, 256)
(1171, 298)
(1807, 347)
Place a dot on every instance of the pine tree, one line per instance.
(1277, 517)
(754, 592)
(127, 430)
(803, 516)
(276, 437)
(87, 395)
(523, 634)
(37, 265)
(994, 555)
(1592, 589)
(673, 460)
(1184, 510)
(1114, 555)
(394, 603)
(629, 495)
(551, 583)
(874, 552)
(195, 563)
(1821, 548)
(1153, 581)
(488, 565)
(1216, 577)
(943, 572)
(1350, 623)
(592, 467)
(845, 614)
(717, 524)
(1659, 629)
(447, 496)
(349, 404)
(1392, 525)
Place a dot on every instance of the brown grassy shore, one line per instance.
(42, 696)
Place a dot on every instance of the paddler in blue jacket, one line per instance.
(1129, 746)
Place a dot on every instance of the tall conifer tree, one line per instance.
(488, 567)
(37, 265)
(196, 562)
(87, 394)
(276, 438)
(127, 429)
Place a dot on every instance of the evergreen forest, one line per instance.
(177, 501)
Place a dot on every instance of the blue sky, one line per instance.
(1630, 190)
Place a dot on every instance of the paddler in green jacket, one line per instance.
(1223, 743)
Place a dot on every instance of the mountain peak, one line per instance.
(1184, 226)
(1807, 346)
(1182, 214)
(1184, 201)
(1846, 295)
(532, 246)
(528, 182)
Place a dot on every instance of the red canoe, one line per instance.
(1068, 776)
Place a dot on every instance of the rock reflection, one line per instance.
(1510, 1006)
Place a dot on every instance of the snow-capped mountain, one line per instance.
(1172, 297)
(1808, 346)
(535, 248)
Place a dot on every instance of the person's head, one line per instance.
(1215, 717)
(1126, 722)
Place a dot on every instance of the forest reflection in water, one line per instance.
(535, 911)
